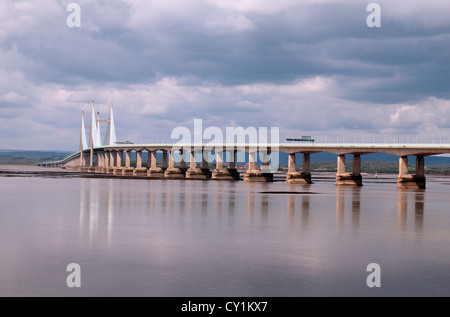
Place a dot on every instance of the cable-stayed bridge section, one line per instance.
(192, 161)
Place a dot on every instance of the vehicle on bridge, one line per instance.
(304, 138)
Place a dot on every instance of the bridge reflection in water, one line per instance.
(105, 205)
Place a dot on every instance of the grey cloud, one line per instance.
(127, 52)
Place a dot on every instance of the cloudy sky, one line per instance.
(309, 67)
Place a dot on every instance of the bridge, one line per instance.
(111, 157)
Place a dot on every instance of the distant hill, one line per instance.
(379, 157)
(23, 157)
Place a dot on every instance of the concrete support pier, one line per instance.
(164, 160)
(220, 172)
(139, 170)
(294, 177)
(112, 162)
(153, 171)
(411, 181)
(194, 172)
(127, 170)
(253, 174)
(100, 162)
(232, 166)
(183, 168)
(173, 172)
(106, 167)
(118, 167)
(205, 165)
(91, 168)
(352, 179)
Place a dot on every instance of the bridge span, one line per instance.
(116, 160)
(112, 157)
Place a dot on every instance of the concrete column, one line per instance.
(251, 160)
(172, 171)
(99, 159)
(92, 168)
(106, 159)
(138, 159)
(420, 166)
(119, 158)
(127, 170)
(233, 159)
(291, 163)
(171, 160)
(81, 159)
(341, 164)
(87, 159)
(91, 158)
(194, 172)
(99, 162)
(294, 177)
(183, 159)
(102, 162)
(265, 161)
(152, 159)
(113, 159)
(356, 164)
(127, 158)
(306, 163)
(139, 170)
(220, 172)
(192, 163)
(164, 161)
(149, 158)
(415, 181)
(219, 160)
(204, 160)
(153, 171)
(403, 166)
(109, 162)
(255, 175)
(352, 179)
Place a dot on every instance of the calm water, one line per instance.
(218, 238)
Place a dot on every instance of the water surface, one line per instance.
(138, 237)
